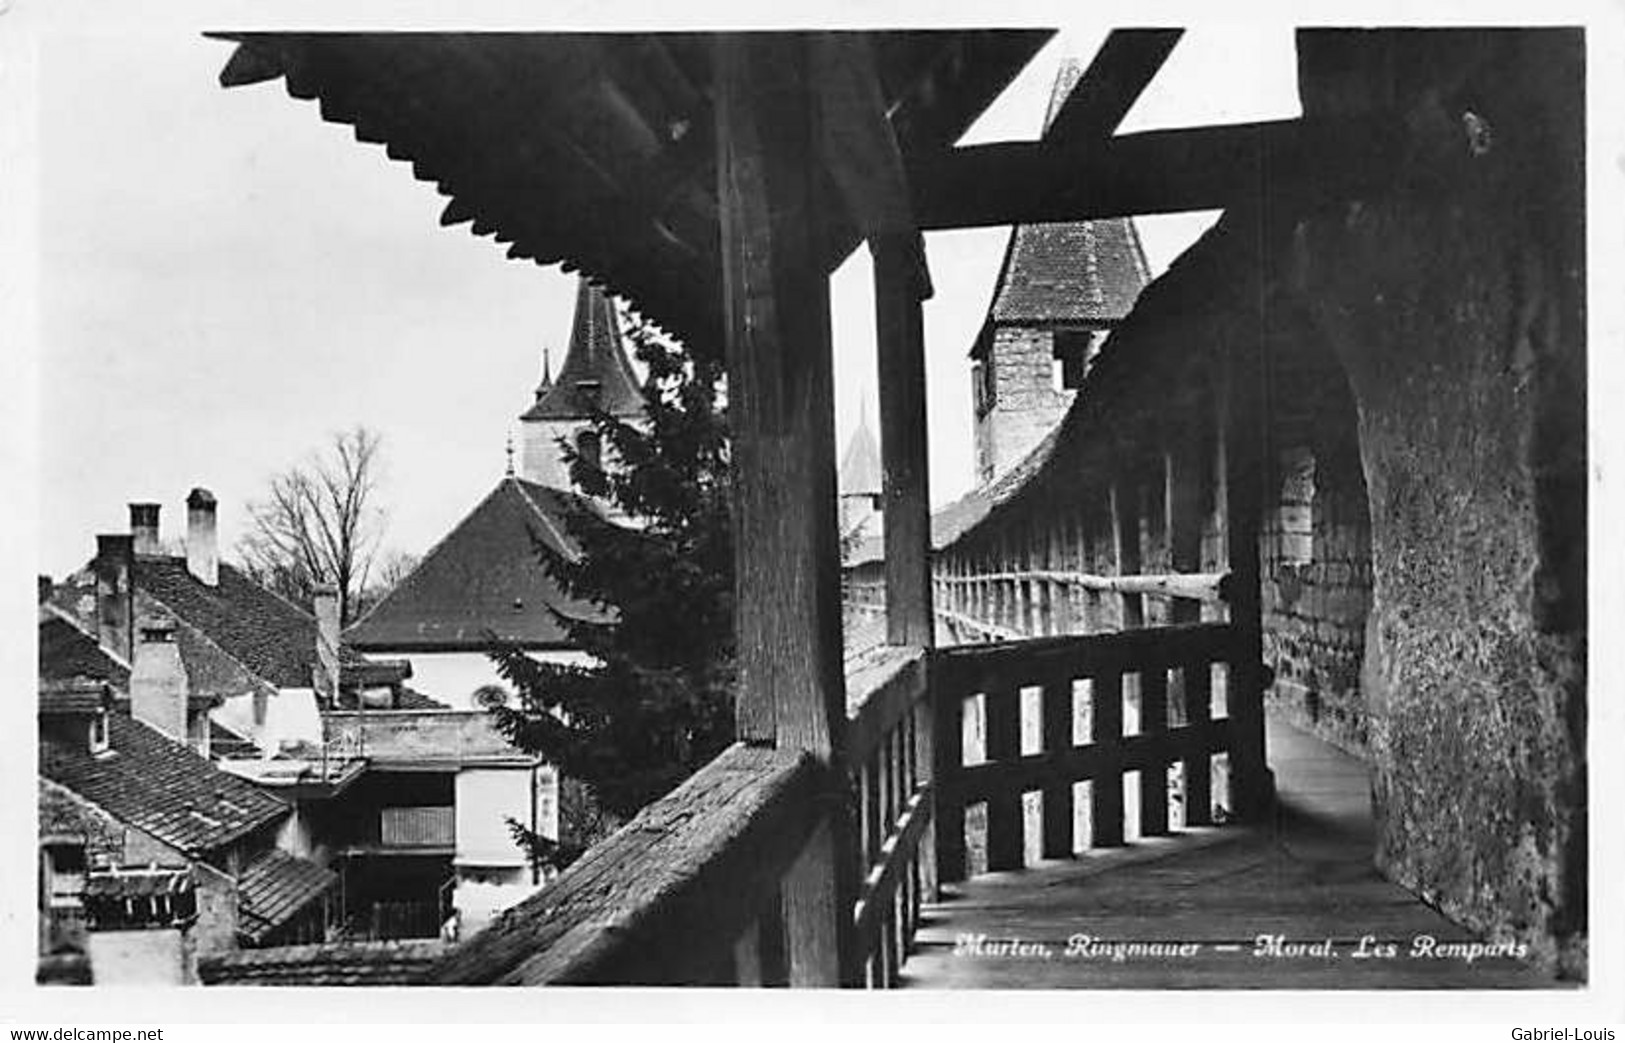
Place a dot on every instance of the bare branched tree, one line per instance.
(318, 523)
(389, 568)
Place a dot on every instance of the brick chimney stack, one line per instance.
(115, 592)
(144, 528)
(202, 543)
(158, 684)
(327, 642)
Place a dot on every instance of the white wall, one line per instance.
(486, 799)
(452, 677)
(289, 716)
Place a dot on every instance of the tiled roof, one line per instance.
(484, 577)
(273, 638)
(67, 651)
(596, 372)
(1087, 272)
(334, 963)
(160, 787)
(274, 888)
(412, 699)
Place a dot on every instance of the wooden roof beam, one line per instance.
(1158, 172)
(1114, 81)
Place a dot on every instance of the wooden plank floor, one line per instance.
(1306, 876)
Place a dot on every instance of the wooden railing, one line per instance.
(706, 885)
(889, 749)
(1048, 714)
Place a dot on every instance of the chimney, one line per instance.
(115, 594)
(144, 527)
(202, 548)
(327, 642)
(158, 685)
(43, 588)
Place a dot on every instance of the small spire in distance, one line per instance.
(510, 454)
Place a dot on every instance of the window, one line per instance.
(100, 741)
(983, 387)
(587, 447)
(1074, 351)
(65, 873)
(489, 696)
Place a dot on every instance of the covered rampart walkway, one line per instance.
(1304, 876)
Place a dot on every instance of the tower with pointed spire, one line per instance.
(860, 483)
(1061, 289)
(595, 374)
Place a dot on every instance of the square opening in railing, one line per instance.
(1032, 827)
(1032, 720)
(1219, 765)
(1178, 698)
(973, 729)
(1131, 806)
(1131, 704)
(1176, 795)
(975, 838)
(1083, 711)
(1083, 819)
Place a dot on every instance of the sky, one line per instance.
(225, 280)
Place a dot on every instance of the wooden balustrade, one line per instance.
(702, 886)
(889, 749)
(1210, 587)
(1077, 676)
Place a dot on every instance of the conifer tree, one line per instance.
(658, 704)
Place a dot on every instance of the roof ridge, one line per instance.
(429, 555)
(566, 544)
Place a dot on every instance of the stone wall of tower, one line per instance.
(1026, 405)
(541, 458)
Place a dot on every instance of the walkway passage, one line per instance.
(1305, 879)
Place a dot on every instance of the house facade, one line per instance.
(152, 856)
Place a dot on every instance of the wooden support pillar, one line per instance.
(1057, 800)
(1252, 785)
(1004, 809)
(1106, 791)
(901, 342)
(791, 689)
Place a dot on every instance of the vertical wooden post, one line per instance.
(1004, 812)
(1057, 728)
(1106, 791)
(1252, 785)
(781, 410)
(947, 758)
(1125, 509)
(901, 341)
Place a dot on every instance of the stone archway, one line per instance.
(1455, 305)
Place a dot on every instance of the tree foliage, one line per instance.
(658, 564)
(317, 523)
